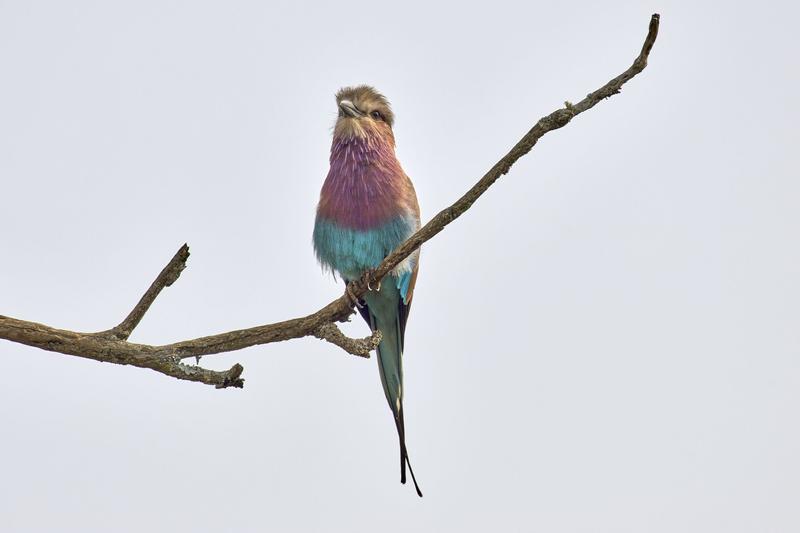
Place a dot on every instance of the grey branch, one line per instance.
(112, 345)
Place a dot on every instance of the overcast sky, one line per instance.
(607, 341)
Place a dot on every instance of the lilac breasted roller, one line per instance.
(367, 207)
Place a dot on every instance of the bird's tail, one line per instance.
(390, 366)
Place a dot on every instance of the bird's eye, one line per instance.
(376, 115)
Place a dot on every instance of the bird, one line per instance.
(367, 207)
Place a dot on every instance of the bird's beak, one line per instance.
(349, 109)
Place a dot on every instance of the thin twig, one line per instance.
(167, 277)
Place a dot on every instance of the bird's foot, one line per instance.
(354, 300)
(363, 284)
(366, 281)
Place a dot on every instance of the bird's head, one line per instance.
(363, 111)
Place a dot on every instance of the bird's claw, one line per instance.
(366, 279)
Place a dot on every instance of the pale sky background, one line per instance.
(609, 341)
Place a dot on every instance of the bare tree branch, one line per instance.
(112, 346)
(101, 347)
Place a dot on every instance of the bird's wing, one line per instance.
(405, 284)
